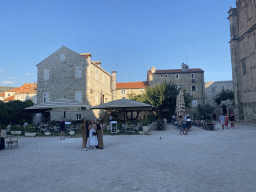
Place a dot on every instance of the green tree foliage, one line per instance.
(205, 111)
(162, 96)
(13, 111)
(224, 95)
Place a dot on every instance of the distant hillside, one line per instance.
(4, 88)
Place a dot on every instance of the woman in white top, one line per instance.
(93, 141)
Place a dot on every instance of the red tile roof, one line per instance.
(26, 88)
(11, 98)
(2, 94)
(175, 71)
(132, 85)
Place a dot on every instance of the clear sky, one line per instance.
(127, 36)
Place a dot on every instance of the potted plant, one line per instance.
(30, 131)
(16, 130)
(129, 123)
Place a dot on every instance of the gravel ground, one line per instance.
(212, 161)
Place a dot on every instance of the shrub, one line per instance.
(151, 118)
(119, 125)
(15, 128)
(129, 123)
(30, 129)
(146, 122)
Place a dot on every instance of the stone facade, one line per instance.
(67, 74)
(243, 56)
(213, 88)
(191, 80)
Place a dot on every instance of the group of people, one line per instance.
(182, 123)
(93, 132)
(90, 131)
(224, 120)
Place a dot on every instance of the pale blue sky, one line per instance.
(127, 36)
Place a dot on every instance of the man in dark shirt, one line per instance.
(232, 121)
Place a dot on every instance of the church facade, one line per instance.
(243, 56)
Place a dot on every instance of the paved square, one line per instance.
(212, 161)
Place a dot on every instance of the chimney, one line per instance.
(86, 55)
(97, 63)
(153, 69)
(184, 67)
(113, 85)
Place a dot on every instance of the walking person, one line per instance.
(99, 134)
(226, 120)
(232, 121)
(180, 125)
(184, 122)
(84, 130)
(222, 120)
(62, 128)
(93, 135)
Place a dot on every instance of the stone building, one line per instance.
(191, 80)
(27, 91)
(67, 74)
(123, 89)
(213, 88)
(243, 48)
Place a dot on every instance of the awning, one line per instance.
(59, 103)
(124, 105)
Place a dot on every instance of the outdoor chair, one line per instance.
(56, 129)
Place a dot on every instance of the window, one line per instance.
(178, 87)
(176, 76)
(45, 97)
(193, 89)
(9, 95)
(192, 76)
(78, 117)
(194, 103)
(244, 67)
(78, 72)
(78, 96)
(62, 57)
(161, 76)
(46, 74)
(123, 92)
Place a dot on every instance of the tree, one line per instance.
(224, 95)
(13, 111)
(205, 111)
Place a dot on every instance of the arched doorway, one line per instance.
(224, 109)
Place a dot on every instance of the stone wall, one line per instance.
(213, 88)
(243, 55)
(119, 94)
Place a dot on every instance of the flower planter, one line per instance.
(47, 133)
(71, 132)
(15, 132)
(30, 134)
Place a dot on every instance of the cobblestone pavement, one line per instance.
(211, 161)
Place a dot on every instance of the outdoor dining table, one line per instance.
(129, 129)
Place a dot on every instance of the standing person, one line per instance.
(232, 121)
(84, 129)
(173, 119)
(180, 125)
(93, 135)
(8, 128)
(99, 134)
(184, 122)
(111, 118)
(62, 129)
(226, 120)
(214, 116)
(222, 120)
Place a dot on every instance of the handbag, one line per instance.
(94, 133)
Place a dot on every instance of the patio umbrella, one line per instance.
(125, 105)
